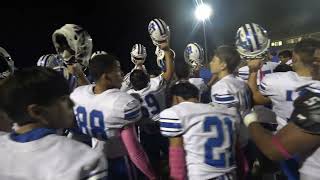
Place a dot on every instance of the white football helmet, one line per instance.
(252, 41)
(194, 55)
(55, 62)
(97, 53)
(138, 54)
(159, 31)
(7, 64)
(73, 44)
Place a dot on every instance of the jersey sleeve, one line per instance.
(158, 82)
(170, 123)
(306, 113)
(98, 169)
(221, 95)
(129, 109)
(126, 84)
(74, 94)
(267, 85)
(84, 163)
(243, 73)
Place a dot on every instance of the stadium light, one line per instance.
(203, 12)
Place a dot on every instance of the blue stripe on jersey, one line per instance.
(267, 72)
(243, 74)
(132, 115)
(32, 135)
(262, 86)
(127, 110)
(102, 173)
(170, 131)
(170, 125)
(169, 118)
(225, 98)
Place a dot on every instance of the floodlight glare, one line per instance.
(203, 12)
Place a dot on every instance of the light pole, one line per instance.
(203, 13)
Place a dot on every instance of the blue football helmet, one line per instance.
(252, 41)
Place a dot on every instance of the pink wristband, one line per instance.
(275, 141)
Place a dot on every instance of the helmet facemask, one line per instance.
(138, 54)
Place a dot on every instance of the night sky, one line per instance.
(116, 25)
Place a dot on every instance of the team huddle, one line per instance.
(75, 116)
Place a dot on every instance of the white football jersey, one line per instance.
(103, 115)
(208, 133)
(153, 97)
(281, 88)
(310, 168)
(267, 68)
(199, 83)
(49, 158)
(232, 91)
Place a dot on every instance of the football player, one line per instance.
(34, 151)
(202, 136)
(152, 92)
(301, 136)
(138, 57)
(273, 90)
(229, 90)
(279, 89)
(109, 115)
(74, 45)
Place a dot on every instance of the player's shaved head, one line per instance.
(139, 79)
(184, 90)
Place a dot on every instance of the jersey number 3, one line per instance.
(213, 146)
(92, 125)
